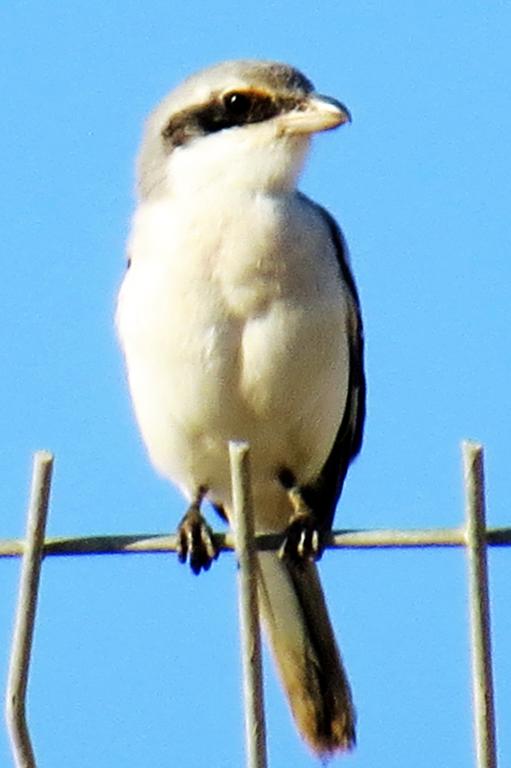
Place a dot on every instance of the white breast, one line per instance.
(234, 327)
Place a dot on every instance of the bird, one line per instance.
(239, 319)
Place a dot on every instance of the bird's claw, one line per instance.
(195, 541)
(302, 542)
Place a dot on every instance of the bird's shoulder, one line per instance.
(337, 239)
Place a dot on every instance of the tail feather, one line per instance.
(296, 621)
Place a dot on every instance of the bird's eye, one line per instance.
(237, 104)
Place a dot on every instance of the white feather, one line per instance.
(233, 324)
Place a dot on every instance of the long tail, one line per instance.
(296, 620)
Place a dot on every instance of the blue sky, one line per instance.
(136, 662)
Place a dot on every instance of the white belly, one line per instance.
(228, 338)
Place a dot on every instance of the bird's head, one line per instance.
(241, 123)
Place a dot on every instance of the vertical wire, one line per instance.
(17, 679)
(482, 677)
(255, 731)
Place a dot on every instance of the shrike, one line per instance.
(239, 319)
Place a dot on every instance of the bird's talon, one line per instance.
(302, 542)
(195, 541)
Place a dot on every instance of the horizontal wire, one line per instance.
(144, 543)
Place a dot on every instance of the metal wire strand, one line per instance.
(480, 631)
(255, 729)
(156, 543)
(17, 679)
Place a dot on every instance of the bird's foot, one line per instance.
(303, 538)
(195, 540)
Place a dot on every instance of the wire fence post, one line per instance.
(482, 678)
(17, 678)
(255, 732)
(474, 536)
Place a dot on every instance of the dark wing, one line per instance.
(322, 495)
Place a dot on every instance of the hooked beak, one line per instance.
(316, 113)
